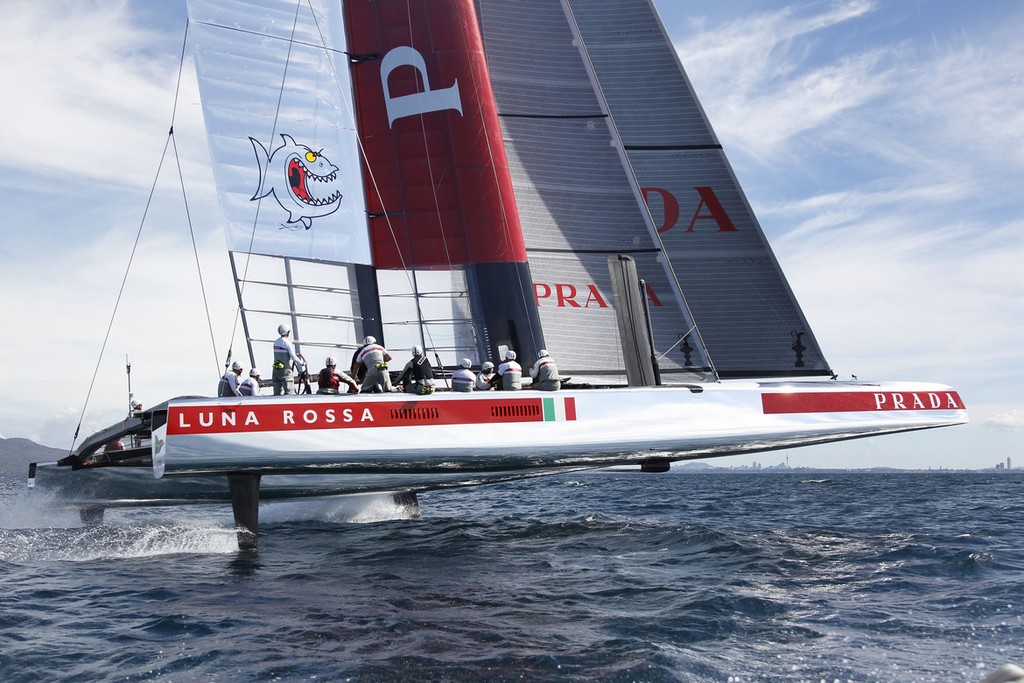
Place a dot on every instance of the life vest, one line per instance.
(422, 369)
(329, 379)
(463, 379)
(284, 353)
(228, 385)
(372, 356)
(418, 376)
(546, 375)
(511, 375)
(483, 381)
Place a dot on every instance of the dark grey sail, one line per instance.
(612, 153)
(577, 202)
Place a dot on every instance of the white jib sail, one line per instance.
(276, 94)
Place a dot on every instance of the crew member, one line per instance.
(330, 380)
(545, 373)
(511, 373)
(463, 379)
(284, 358)
(228, 385)
(486, 379)
(357, 369)
(418, 374)
(250, 386)
(374, 358)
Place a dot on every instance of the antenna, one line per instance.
(131, 396)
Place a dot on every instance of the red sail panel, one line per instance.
(438, 186)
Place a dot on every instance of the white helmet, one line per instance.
(467, 363)
(542, 353)
(283, 329)
(254, 373)
(330, 362)
(510, 355)
(488, 365)
(236, 366)
(416, 350)
(368, 339)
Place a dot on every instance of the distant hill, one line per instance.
(693, 466)
(16, 454)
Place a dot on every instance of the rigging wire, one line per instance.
(350, 109)
(135, 244)
(424, 330)
(120, 292)
(506, 231)
(195, 251)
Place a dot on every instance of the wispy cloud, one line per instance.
(1012, 420)
(761, 85)
(886, 168)
(76, 74)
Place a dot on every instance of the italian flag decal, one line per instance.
(559, 409)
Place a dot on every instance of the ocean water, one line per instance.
(725, 576)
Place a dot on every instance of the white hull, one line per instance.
(309, 446)
(530, 429)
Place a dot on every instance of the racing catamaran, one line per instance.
(475, 177)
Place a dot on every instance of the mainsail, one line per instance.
(466, 169)
(601, 123)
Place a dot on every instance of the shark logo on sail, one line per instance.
(303, 181)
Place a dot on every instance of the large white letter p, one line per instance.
(420, 102)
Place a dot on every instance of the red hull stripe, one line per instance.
(438, 185)
(245, 418)
(570, 408)
(859, 401)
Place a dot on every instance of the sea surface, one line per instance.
(724, 576)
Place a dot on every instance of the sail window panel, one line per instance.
(333, 276)
(318, 335)
(571, 188)
(263, 328)
(534, 65)
(428, 308)
(341, 306)
(647, 91)
(273, 297)
(258, 268)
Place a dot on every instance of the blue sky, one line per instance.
(881, 145)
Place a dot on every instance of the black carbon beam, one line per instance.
(245, 504)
